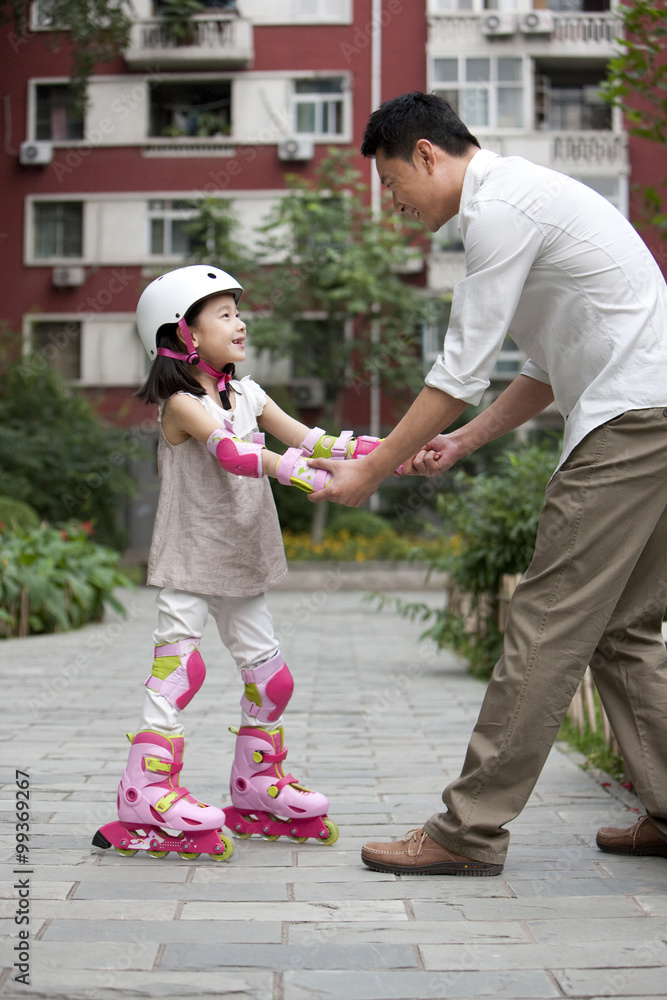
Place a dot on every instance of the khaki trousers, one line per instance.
(595, 593)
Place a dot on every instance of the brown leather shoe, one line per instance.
(418, 854)
(640, 839)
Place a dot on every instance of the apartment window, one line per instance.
(319, 106)
(56, 118)
(58, 229)
(168, 227)
(587, 6)
(59, 345)
(320, 10)
(485, 91)
(191, 109)
(567, 100)
(160, 7)
(451, 6)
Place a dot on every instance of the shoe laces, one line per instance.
(418, 833)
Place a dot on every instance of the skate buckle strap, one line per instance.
(261, 757)
(307, 446)
(160, 766)
(167, 801)
(273, 790)
(339, 447)
(183, 646)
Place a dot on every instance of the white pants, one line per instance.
(245, 627)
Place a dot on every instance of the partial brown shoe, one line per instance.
(640, 839)
(418, 854)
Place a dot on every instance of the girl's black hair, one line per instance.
(169, 375)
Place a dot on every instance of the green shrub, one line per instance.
(55, 579)
(57, 456)
(493, 521)
(16, 515)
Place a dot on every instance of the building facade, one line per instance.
(252, 90)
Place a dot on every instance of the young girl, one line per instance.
(216, 549)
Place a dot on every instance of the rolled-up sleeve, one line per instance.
(534, 371)
(501, 245)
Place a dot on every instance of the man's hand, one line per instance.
(352, 483)
(440, 454)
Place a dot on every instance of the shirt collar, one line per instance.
(474, 175)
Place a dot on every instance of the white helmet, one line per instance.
(168, 298)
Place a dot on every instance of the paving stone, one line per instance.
(425, 985)
(301, 920)
(313, 955)
(484, 956)
(200, 932)
(631, 981)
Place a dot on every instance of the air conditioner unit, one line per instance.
(35, 153)
(68, 277)
(537, 22)
(307, 393)
(498, 23)
(296, 149)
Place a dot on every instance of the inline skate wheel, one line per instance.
(157, 854)
(188, 855)
(226, 853)
(333, 832)
(124, 853)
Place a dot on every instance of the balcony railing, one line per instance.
(571, 32)
(589, 149)
(218, 41)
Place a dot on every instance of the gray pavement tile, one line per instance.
(221, 891)
(313, 955)
(53, 984)
(332, 928)
(486, 957)
(321, 911)
(456, 930)
(182, 932)
(642, 930)
(425, 985)
(655, 905)
(578, 907)
(631, 982)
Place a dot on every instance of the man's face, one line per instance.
(429, 188)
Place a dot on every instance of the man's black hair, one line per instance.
(169, 375)
(399, 123)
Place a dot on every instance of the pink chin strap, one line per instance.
(192, 358)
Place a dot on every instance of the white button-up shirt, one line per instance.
(554, 265)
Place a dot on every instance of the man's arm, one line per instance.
(523, 399)
(354, 482)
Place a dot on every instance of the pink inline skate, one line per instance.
(269, 802)
(152, 804)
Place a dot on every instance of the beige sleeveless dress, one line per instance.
(215, 533)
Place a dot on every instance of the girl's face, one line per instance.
(219, 332)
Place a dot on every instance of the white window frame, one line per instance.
(168, 214)
(320, 100)
(492, 87)
(30, 231)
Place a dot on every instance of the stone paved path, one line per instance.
(379, 723)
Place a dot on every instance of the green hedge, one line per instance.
(54, 579)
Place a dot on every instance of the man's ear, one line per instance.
(425, 155)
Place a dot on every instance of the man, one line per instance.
(555, 265)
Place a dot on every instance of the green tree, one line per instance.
(331, 293)
(637, 83)
(57, 456)
(215, 238)
(98, 30)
